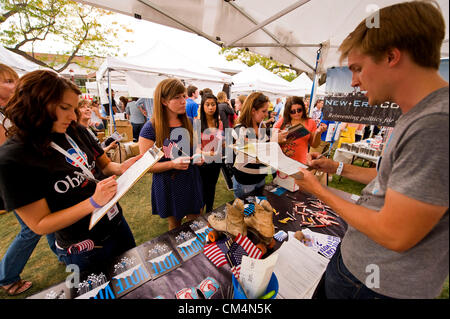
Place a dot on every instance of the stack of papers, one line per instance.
(299, 270)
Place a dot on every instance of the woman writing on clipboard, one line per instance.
(295, 145)
(53, 174)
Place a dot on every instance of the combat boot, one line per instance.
(261, 220)
(232, 222)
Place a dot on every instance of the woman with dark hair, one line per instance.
(248, 175)
(212, 138)
(176, 184)
(53, 174)
(295, 113)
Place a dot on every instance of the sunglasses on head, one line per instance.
(296, 111)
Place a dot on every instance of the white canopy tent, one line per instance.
(143, 72)
(17, 62)
(289, 31)
(257, 78)
(303, 84)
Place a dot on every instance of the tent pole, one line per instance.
(245, 14)
(313, 89)
(112, 124)
(269, 20)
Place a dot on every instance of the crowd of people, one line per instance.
(54, 172)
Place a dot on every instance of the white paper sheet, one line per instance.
(127, 180)
(271, 154)
(255, 274)
(299, 270)
(320, 243)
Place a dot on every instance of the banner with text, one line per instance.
(356, 109)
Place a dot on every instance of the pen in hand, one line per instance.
(323, 154)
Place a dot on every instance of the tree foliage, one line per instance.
(24, 24)
(250, 58)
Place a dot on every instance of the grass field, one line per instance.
(44, 270)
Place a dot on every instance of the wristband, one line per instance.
(93, 203)
(340, 168)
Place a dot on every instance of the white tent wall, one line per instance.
(143, 72)
(17, 62)
(257, 78)
(289, 31)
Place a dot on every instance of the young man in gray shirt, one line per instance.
(397, 242)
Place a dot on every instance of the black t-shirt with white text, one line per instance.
(27, 175)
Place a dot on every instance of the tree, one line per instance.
(250, 58)
(24, 24)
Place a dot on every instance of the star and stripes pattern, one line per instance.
(167, 148)
(242, 246)
(249, 209)
(216, 252)
(85, 245)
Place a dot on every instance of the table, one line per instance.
(337, 156)
(192, 271)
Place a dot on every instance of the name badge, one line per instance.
(113, 212)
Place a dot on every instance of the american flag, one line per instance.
(216, 252)
(242, 246)
(85, 245)
(167, 148)
(249, 209)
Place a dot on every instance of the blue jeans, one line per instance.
(120, 240)
(341, 284)
(241, 190)
(18, 253)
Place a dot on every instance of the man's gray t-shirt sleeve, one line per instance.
(417, 170)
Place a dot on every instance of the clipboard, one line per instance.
(127, 180)
(270, 154)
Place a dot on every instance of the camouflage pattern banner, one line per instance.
(356, 109)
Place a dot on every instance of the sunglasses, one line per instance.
(296, 111)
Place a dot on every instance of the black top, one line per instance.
(27, 176)
(246, 178)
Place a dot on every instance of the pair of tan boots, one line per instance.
(236, 222)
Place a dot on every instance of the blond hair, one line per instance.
(166, 90)
(416, 27)
(221, 97)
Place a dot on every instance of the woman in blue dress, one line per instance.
(176, 186)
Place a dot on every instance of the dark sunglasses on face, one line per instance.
(296, 111)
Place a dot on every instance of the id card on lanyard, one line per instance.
(82, 161)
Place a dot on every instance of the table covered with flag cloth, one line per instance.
(170, 277)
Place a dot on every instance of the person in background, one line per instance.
(176, 185)
(97, 120)
(396, 244)
(278, 109)
(191, 105)
(295, 113)
(137, 116)
(123, 102)
(248, 175)
(317, 112)
(113, 104)
(147, 105)
(22, 246)
(238, 105)
(84, 114)
(212, 137)
(225, 109)
(53, 174)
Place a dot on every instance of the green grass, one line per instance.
(44, 270)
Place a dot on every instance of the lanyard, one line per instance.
(87, 173)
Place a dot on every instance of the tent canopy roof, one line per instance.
(17, 62)
(289, 31)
